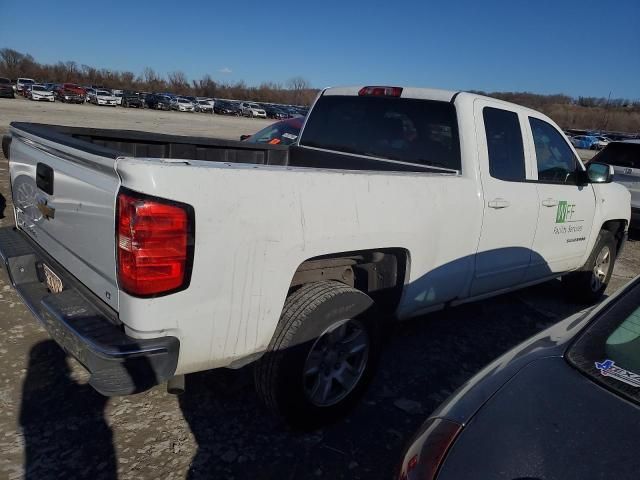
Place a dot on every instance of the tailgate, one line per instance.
(630, 178)
(64, 191)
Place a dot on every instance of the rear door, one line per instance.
(64, 192)
(510, 202)
(566, 208)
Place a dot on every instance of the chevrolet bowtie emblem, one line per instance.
(47, 211)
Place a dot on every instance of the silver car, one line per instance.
(625, 158)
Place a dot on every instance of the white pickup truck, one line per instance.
(151, 256)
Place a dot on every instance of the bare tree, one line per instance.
(178, 82)
(10, 62)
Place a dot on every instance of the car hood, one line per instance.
(106, 97)
(44, 93)
(548, 421)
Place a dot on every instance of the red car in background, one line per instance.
(73, 88)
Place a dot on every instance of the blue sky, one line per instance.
(573, 47)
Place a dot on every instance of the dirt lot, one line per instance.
(53, 425)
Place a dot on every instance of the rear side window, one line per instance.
(408, 130)
(504, 144)
(556, 161)
(620, 154)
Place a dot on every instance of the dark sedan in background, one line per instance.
(284, 132)
(223, 107)
(563, 405)
(6, 89)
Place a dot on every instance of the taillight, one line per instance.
(426, 453)
(380, 91)
(155, 244)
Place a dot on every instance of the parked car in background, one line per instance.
(181, 104)
(22, 82)
(6, 89)
(204, 106)
(601, 143)
(274, 112)
(284, 132)
(68, 96)
(73, 87)
(39, 92)
(565, 404)
(624, 157)
(132, 99)
(104, 97)
(118, 94)
(91, 93)
(224, 107)
(252, 110)
(158, 102)
(585, 142)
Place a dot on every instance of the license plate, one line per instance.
(54, 284)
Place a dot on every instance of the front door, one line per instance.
(566, 209)
(510, 202)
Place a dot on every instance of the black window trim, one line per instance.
(522, 135)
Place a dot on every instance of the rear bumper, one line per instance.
(84, 326)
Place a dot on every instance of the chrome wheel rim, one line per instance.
(601, 269)
(336, 362)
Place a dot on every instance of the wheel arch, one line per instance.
(379, 272)
(617, 227)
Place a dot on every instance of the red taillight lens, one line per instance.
(426, 453)
(154, 239)
(380, 91)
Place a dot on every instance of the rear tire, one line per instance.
(588, 284)
(322, 355)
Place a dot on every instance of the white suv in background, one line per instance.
(252, 110)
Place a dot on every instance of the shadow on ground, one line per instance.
(79, 446)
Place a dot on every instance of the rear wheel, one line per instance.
(589, 283)
(322, 355)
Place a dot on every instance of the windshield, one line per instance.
(409, 130)
(4, 80)
(253, 105)
(182, 100)
(26, 80)
(38, 88)
(102, 93)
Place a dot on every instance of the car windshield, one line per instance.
(182, 100)
(4, 80)
(38, 88)
(408, 130)
(253, 105)
(26, 80)
(203, 102)
(102, 93)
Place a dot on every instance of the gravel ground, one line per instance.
(53, 425)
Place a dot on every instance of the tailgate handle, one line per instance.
(44, 178)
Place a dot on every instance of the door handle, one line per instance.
(549, 202)
(498, 203)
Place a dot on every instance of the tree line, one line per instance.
(590, 113)
(14, 64)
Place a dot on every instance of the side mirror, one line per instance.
(600, 172)
(244, 137)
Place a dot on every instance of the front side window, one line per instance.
(404, 129)
(504, 144)
(556, 161)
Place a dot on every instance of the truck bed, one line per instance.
(113, 143)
